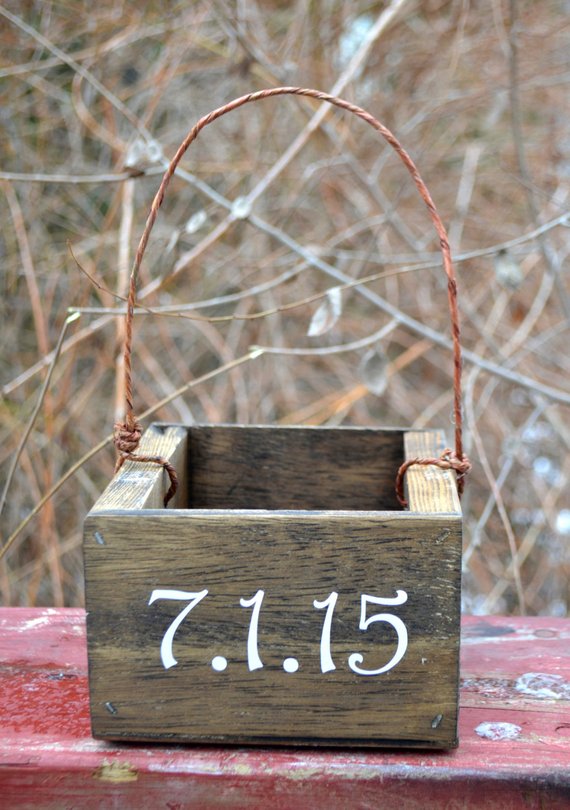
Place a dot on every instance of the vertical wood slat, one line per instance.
(143, 485)
(429, 488)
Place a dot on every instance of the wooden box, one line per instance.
(285, 599)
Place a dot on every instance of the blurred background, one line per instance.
(276, 203)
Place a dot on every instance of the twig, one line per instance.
(136, 33)
(78, 179)
(233, 297)
(384, 20)
(181, 310)
(28, 268)
(86, 74)
(324, 350)
(554, 394)
(123, 264)
(476, 359)
(251, 355)
(518, 138)
(475, 540)
(495, 488)
(493, 368)
(70, 343)
(31, 422)
(464, 193)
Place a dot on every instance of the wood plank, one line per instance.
(266, 467)
(243, 467)
(143, 485)
(429, 488)
(288, 559)
(48, 759)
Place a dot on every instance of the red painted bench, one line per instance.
(514, 747)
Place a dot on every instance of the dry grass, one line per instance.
(480, 104)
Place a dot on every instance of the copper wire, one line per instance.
(127, 433)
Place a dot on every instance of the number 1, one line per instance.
(327, 664)
(253, 659)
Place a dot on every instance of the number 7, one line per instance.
(167, 658)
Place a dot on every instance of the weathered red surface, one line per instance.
(514, 747)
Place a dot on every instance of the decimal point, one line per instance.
(219, 663)
(290, 665)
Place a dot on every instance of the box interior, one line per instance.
(238, 467)
(241, 467)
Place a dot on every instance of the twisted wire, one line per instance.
(127, 433)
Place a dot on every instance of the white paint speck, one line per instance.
(498, 731)
(544, 686)
(31, 623)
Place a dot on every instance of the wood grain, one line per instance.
(429, 488)
(242, 467)
(263, 467)
(295, 558)
(143, 485)
(300, 514)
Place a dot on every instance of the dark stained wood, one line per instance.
(241, 535)
(295, 558)
(241, 467)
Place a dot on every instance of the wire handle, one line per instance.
(128, 433)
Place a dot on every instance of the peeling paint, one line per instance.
(45, 733)
(116, 772)
(177, 766)
(545, 633)
(78, 629)
(544, 686)
(303, 773)
(498, 731)
(242, 769)
(31, 623)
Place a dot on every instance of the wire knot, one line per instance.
(448, 460)
(127, 439)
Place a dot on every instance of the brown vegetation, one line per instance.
(94, 99)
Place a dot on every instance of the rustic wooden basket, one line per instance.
(299, 513)
(287, 598)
